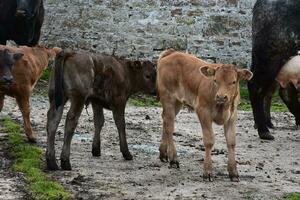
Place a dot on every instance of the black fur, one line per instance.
(23, 30)
(276, 37)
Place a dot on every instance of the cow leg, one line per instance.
(119, 117)
(267, 106)
(53, 118)
(208, 140)
(230, 135)
(1, 101)
(23, 103)
(98, 123)
(291, 98)
(167, 147)
(257, 95)
(73, 115)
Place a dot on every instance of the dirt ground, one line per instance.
(268, 169)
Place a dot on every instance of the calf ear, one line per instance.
(244, 74)
(17, 56)
(207, 71)
(135, 64)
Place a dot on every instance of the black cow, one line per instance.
(276, 38)
(21, 21)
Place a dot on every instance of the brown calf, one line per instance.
(25, 73)
(212, 90)
(105, 82)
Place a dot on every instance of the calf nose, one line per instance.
(221, 98)
(7, 79)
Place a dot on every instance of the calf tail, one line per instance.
(166, 53)
(58, 76)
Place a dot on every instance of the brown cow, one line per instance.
(212, 90)
(25, 73)
(102, 80)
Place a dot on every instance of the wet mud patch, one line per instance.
(268, 169)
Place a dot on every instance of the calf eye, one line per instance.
(215, 81)
(148, 76)
(234, 82)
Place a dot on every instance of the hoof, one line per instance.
(174, 164)
(31, 139)
(270, 125)
(51, 165)
(266, 136)
(234, 178)
(65, 165)
(96, 152)
(207, 177)
(163, 157)
(127, 156)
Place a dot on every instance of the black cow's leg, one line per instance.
(118, 114)
(77, 104)
(98, 123)
(267, 105)
(1, 101)
(291, 98)
(257, 95)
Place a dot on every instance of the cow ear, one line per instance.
(135, 64)
(107, 71)
(207, 71)
(17, 56)
(244, 74)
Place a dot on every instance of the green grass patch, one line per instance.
(144, 101)
(46, 74)
(292, 196)
(29, 161)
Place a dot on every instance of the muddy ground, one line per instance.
(268, 169)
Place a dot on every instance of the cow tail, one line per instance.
(59, 76)
(166, 53)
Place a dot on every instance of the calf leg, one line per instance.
(98, 123)
(53, 119)
(73, 115)
(167, 147)
(118, 114)
(230, 134)
(291, 98)
(1, 101)
(208, 140)
(23, 102)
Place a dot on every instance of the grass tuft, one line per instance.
(29, 160)
(292, 196)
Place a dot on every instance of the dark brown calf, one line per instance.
(25, 73)
(105, 82)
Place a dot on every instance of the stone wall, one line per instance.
(217, 30)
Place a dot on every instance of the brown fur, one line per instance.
(105, 82)
(185, 79)
(25, 73)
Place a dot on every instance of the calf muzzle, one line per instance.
(221, 99)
